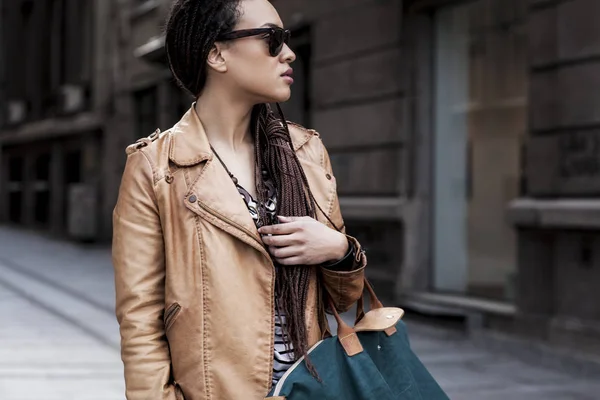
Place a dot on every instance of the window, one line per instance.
(480, 121)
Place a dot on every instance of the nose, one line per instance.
(287, 55)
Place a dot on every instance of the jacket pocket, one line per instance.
(171, 314)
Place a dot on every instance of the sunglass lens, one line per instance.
(276, 42)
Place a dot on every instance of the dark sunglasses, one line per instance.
(276, 36)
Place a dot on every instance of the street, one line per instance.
(59, 339)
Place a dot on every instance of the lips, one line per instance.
(289, 73)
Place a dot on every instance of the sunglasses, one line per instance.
(276, 36)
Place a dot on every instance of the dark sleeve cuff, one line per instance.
(346, 263)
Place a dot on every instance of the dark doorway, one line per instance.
(41, 190)
(72, 175)
(15, 189)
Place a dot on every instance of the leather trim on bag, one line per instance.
(380, 319)
(351, 344)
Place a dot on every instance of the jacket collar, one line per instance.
(190, 146)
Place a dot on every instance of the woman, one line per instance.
(227, 230)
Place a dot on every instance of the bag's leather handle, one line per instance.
(374, 302)
(346, 334)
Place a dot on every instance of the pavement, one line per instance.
(59, 339)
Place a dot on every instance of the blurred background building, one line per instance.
(464, 137)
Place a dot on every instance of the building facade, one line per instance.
(462, 135)
(505, 115)
(46, 109)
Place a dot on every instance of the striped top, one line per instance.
(283, 355)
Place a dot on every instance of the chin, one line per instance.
(280, 96)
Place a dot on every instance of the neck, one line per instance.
(225, 118)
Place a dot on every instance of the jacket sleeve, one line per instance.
(344, 287)
(139, 263)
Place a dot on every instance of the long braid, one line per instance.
(275, 153)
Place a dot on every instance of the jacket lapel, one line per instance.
(211, 193)
(218, 197)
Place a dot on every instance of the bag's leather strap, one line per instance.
(379, 318)
(374, 302)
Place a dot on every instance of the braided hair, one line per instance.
(191, 31)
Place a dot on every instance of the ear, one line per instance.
(215, 58)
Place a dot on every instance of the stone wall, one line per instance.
(358, 104)
(559, 234)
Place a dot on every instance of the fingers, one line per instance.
(285, 228)
(291, 261)
(292, 219)
(288, 241)
(281, 240)
(279, 229)
(281, 253)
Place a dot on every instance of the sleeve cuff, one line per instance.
(346, 263)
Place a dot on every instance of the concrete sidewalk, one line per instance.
(59, 338)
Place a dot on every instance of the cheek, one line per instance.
(260, 76)
(258, 72)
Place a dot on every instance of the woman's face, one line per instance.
(250, 68)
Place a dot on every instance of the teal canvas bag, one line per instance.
(371, 361)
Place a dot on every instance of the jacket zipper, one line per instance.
(246, 231)
(171, 312)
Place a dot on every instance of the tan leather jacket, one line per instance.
(194, 284)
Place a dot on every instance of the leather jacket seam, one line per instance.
(323, 154)
(205, 334)
(205, 352)
(152, 171)
(207, 380)
(340, 292)
(342, 274)
(333, 195)
(152, 167)
(198, 177)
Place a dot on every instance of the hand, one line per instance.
(303, 241)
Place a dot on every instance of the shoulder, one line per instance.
(143, 143)
(307, 143)
(300, 135)
(154, 147)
